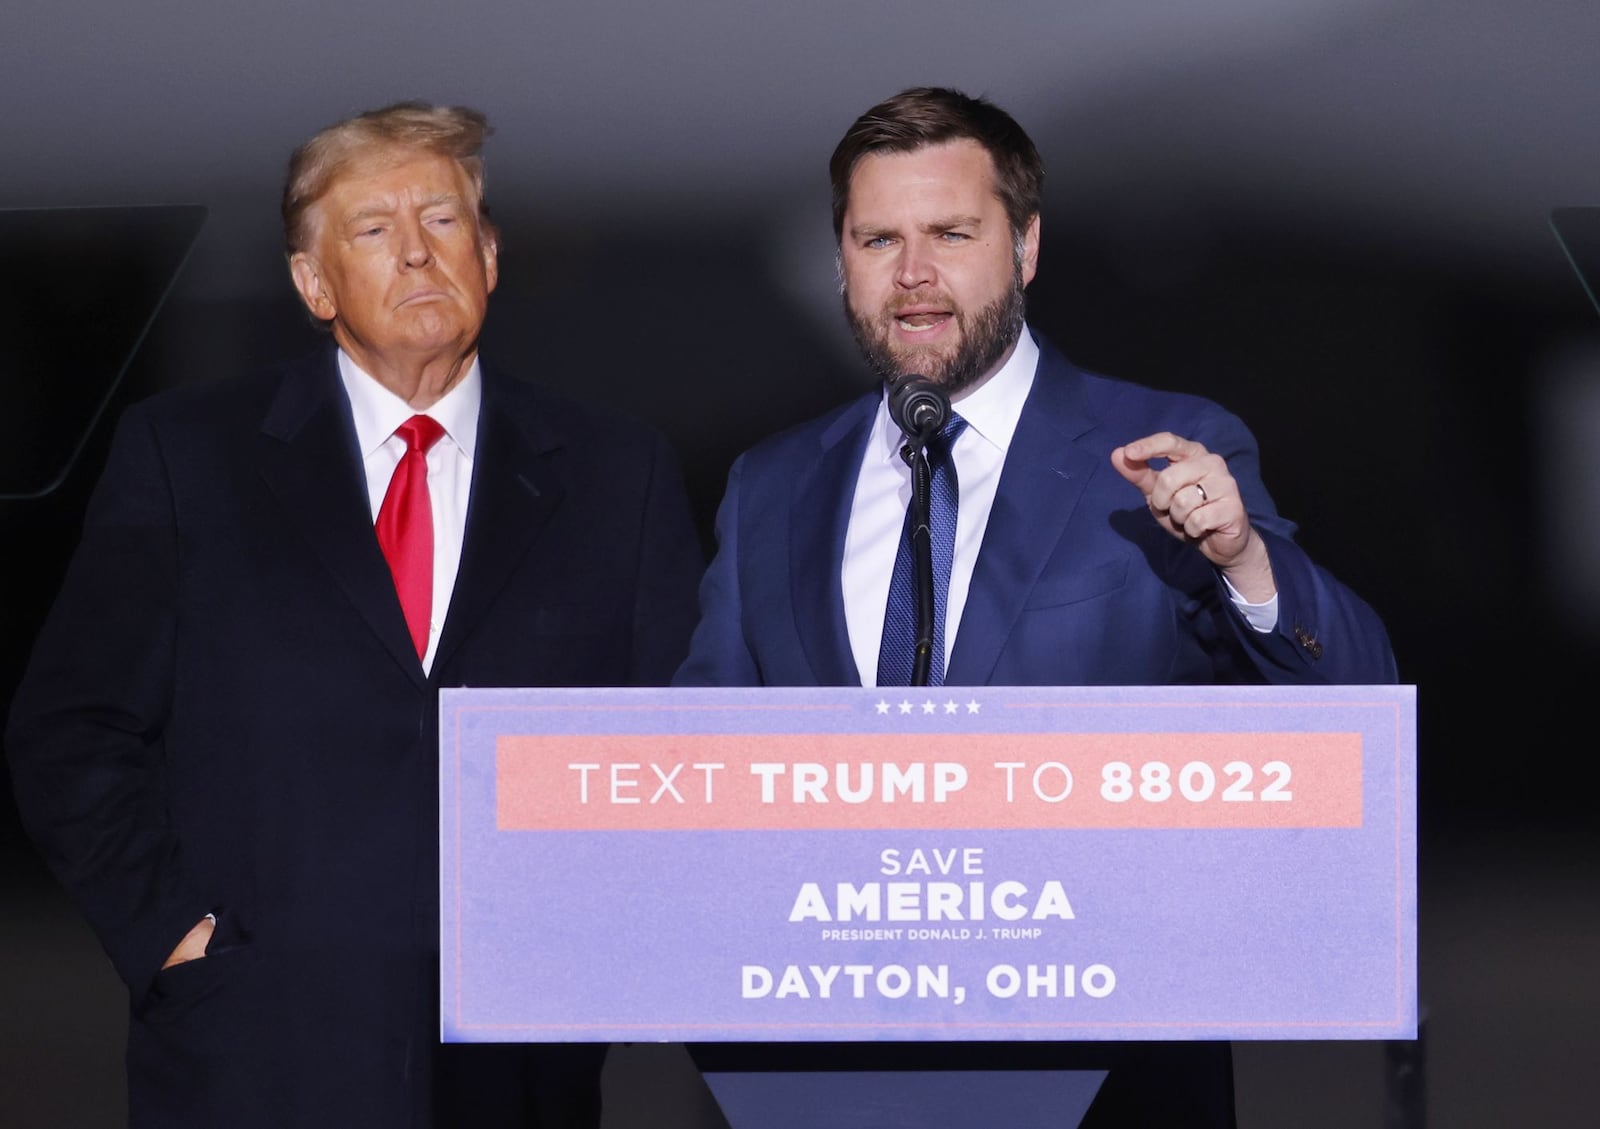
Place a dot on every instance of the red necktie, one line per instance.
(405, 527)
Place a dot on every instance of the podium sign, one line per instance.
(994, 863)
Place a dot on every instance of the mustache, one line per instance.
(921, 298)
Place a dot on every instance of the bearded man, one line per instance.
(1094, 532)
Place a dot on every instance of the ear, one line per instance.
(308, 280)
(491, 258)
(1030, 251)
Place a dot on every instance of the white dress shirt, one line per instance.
(377, 413)
(883, 490)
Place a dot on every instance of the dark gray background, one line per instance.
(1330, 215)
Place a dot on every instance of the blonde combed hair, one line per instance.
(456, 132)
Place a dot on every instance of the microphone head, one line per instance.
(918, 406)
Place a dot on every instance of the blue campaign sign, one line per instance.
(950, 864)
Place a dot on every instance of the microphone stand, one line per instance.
(919, 408)
(915, 454)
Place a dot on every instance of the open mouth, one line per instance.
(921, 320)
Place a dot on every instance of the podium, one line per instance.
(866, 1099)
(837, 897)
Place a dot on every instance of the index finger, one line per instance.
(1164, 445)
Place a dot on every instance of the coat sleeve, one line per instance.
(1325, 634)
(718, 653)
(84, 736)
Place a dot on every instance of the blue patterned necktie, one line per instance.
(895, 652)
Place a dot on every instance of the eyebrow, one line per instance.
(949, 222)
(945, 223)
(374, 211)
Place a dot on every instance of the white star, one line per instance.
(950, 706)
(883, 706)
(905, 707)
(972, 706)
(928, 706)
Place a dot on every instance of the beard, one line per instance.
(985, 336)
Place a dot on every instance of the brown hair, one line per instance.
(932, 115)
(449, 131)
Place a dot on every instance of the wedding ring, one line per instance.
(1204, 497)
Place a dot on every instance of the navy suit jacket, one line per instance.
(1075, 583)
(224, 712)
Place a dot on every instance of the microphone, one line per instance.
(918, 406)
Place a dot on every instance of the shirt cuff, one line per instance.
(1263, 618)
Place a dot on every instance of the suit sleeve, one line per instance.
(1325, 634)
(718, 653)
(85, 732)
(670, 565)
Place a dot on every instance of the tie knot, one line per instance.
(420, 433)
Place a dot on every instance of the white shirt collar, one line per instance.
(378, 411)
(991, 410)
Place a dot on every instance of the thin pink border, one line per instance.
(1375, 1027)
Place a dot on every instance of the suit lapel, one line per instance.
(515, 490)
(820, 518)
(309, 459)
(1044, 477)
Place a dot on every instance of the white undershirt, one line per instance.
(883, 490)
(377, 412)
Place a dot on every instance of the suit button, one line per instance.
(1308, 642)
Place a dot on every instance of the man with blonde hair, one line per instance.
(226, 744)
